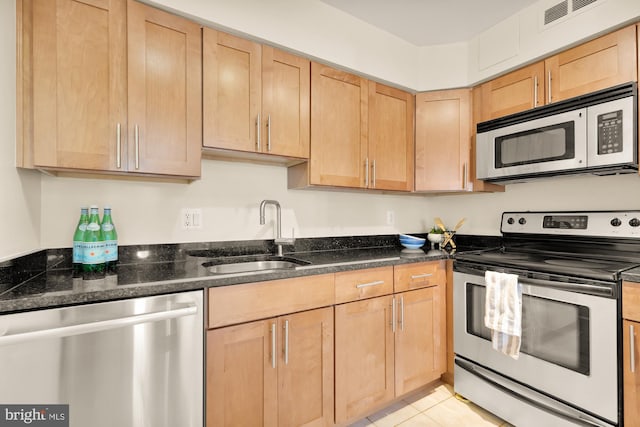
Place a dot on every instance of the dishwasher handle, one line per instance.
(102, 325)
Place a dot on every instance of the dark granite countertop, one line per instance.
(632, 275)
(46, 279)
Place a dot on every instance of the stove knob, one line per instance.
(522, 221)
(616, 222)
(510, 221)
(634, 222)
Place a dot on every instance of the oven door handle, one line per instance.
(604, 291)
(574, 418)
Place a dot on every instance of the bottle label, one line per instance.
(92, 226)
(83, 226)
(93, 253)
(111, 250)
(107, 227)
(78, 252)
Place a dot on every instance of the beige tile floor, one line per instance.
(436, 407)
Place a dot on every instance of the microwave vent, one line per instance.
(556, 12)
(579, 4)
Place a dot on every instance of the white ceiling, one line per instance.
(432, 22)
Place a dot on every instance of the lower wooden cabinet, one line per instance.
(364, 357)
(420, 338)
(390, 345)
(274, 372)
(631, 369)
(631, 353)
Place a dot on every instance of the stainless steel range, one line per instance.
(568, 266)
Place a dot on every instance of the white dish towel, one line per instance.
(503, 312)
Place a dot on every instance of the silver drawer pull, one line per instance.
(365, 285)
(421, 276)
(632, 348)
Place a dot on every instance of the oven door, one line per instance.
(544, 145)
(569, 342)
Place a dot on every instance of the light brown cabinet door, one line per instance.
(305, 369)
(391, 142)
(631, 345)
(78, 83)
(517, 91)
(606, 61)
(232, 91)
(339, 115)
(286, 91)
(242, 385)
(420, 340)
(364, 357)
(443, 135)
(165, 104)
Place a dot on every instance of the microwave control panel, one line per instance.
(610, 132)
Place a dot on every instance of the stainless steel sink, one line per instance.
(252, 264)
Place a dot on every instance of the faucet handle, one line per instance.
(287, 240)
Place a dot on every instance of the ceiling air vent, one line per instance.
(579, 4)
(556, 12)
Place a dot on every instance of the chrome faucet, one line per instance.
(279, 240)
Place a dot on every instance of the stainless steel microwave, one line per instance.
(596, 133)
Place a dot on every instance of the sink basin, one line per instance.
(252, 264)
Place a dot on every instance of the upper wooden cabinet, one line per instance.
(606, 61)
(339, 123)
(361, 134)
(108, 86)
(600, 63)
(517, 91)
(255, 98)
(165, 86)
(390, 151)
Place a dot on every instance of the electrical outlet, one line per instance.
(391, 217)
(191, 218)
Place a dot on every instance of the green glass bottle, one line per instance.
(110, 241)
(93, 262)
(78, 240)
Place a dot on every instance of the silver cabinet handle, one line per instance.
(535, 91)
(273, 345)
(421, 276)
(258, 126)
(549, 88)
(103, 325)
(402, 313)
(286, 342)
(365, 285)
(373, 174)
(118, 147)
(464, 176)
(269, 132)
(632, 348)
(393, 315)
(136, 137)
(366, 172)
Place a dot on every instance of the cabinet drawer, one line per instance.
(415, 276)
(631, 301)
(251, 301)
(361, 284)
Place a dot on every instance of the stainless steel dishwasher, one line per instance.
(128, 363)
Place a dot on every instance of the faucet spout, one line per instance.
(279, 241)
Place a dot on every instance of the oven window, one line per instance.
(554, 331)
(555, 142)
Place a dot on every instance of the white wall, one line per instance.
(229, 194)
(19, 190)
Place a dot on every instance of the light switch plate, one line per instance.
(191, 218)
